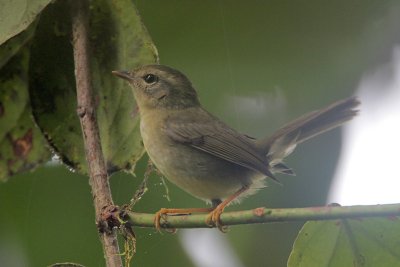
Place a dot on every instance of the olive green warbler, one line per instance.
(201, 154)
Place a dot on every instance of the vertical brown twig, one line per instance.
(87, 114)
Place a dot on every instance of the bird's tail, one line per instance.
(284, 140)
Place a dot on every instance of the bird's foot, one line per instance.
(162, 214)
(214, 219)
(157, 218)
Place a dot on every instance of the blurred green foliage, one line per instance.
(256, 64)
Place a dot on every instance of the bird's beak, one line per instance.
(126, 75)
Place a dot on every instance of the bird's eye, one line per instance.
(150, 78)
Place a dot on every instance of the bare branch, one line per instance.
(86, 111)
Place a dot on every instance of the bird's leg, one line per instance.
(164, 211)
(214, 217)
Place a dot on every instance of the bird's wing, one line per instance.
(218, 139)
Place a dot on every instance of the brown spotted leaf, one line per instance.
(22, 146)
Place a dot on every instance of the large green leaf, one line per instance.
(365, 242)
(16, 16)
(119, 40)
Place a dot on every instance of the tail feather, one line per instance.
(283, 141)
(282, 168)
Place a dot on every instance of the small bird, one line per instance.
(204, 156)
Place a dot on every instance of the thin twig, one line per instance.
(142, 189)
(86, 111)
(264, 215)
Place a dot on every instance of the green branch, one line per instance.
(265, 215)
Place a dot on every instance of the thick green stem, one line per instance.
(265, 215)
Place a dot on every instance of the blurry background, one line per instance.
(256, 65)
